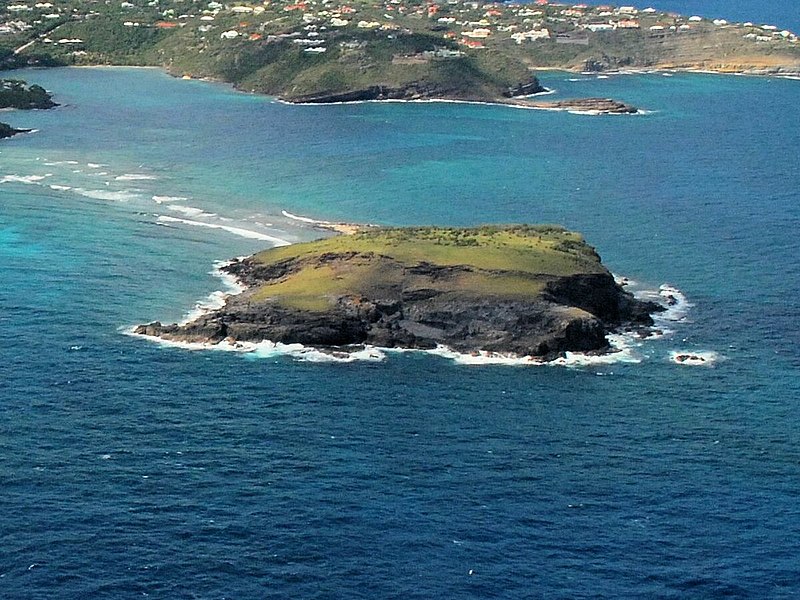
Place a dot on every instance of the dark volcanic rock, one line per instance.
(375, 92)
(6, 131)
(412, 91)
(573, 313)
(588, 105)
(525, 89)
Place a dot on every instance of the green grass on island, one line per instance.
(512, 261)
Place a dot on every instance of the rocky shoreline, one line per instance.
(606, 106)
(516, 96)
(415, 91)
(418, 306)
(6, 131)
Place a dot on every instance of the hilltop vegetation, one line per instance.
(407, 48)
(496, 261)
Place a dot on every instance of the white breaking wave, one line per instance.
(26, 179)
(621, 352)
(675, 301)
(190, 211)
(167, 199)
(216, 300)
(308, 354)
(590, 113)
(60, 188)
(134, 177)
(289, 215)
(694, 358)
(268, 349)
(246, 233)
(116, 196)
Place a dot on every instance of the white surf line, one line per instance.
(309, 220)
(240, 231)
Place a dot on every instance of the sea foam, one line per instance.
(167, 199)
(694, 358)
(240, 231)
(26, 179)
(134, 177)
(112, 195)
(216, 299)
(289, 215)
(190, 211)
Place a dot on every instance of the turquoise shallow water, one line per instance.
(130, 469)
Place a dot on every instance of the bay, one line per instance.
(132, 469)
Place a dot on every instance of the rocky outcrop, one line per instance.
(606, 106)
(609, 63)
(420, 306)
(413, 91)
(375, 92)
(525, 89)
(6, 131)
(16, 94)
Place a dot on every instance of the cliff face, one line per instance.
(391, 302)
(415, 91)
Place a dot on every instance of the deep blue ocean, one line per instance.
(130, 469)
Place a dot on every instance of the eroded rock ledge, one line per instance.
(413, 91)
(606, 106)
(527, 291)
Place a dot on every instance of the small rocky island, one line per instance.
(18, 95)
(7, 131)
(594, 106)
(520, 290)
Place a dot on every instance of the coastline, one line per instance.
(622, 345)
(337, 227)
(517, 102)
(623, 341)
